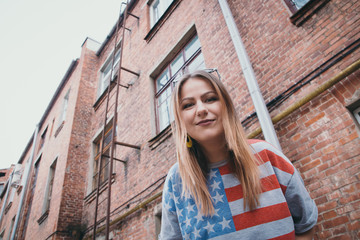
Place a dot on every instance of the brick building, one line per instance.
(294, 51)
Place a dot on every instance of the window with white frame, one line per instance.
(356, 113)
(157, 9)
(64, 107)
(101, 171)
(108, 71)
(49, 188)
(354, 110)
(295, 5)
(43, 137)
(188, 59)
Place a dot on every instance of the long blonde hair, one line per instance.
(193, 166)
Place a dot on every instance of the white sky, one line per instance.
(38, 41)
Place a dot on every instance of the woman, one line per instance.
(224, 186)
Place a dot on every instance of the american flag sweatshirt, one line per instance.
(285, 207)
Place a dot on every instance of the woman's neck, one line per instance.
(216, 152)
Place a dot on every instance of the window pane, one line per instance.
(177, 64)
(162, 80)
(156, 11)
(299, 3)
(197, 63)
(357, 114)
(158, 8)
(164, 109)
(107, 69)
(108, 138)
(192, 47)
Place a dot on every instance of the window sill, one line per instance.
(154, 29)
(91, 196)
(43, 217)
(161, 137)
(304, 13)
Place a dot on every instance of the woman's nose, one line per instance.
(201, 109)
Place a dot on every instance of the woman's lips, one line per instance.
(205, 122)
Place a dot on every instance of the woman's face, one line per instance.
(201, 111)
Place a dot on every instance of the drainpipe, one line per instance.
(26, 176)
(258, 100)
(6, 195)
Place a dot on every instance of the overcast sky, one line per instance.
(39, 39)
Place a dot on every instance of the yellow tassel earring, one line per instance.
(189, 142)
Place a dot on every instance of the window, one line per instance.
(42, 139)
(64, 108)
(11, 227)
(104, 168)
(1, 187)
(356, 113)
(302, 10)
(157, 215)
(354, 110)
(50, 185)
(107, 70)
(157, 9)
(2, 234)
(295, 5)
(188, 59)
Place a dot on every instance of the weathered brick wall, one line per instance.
(55, 147)
(69, 143)
(74, 187)
(320, 138)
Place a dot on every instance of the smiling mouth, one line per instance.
(205, 122)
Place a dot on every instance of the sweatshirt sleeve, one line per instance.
(170, 229)
(303, 209)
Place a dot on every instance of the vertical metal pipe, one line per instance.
(256, 96)
(6, 196)
(26, 176)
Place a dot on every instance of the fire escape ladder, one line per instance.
(105, 150)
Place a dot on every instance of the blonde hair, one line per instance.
(193, 166)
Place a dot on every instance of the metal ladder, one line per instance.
(113, 143)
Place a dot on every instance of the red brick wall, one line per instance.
(322, 135)
(73, 191)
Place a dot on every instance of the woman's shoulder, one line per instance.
(258, 145)
(173, 171)
(268, 153)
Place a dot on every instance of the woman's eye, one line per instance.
(187, 105)
(211, 99)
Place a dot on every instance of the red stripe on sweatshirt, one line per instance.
(261, 216)
(289, 236)
(276, 161)
(268, 183)
(225, 169)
